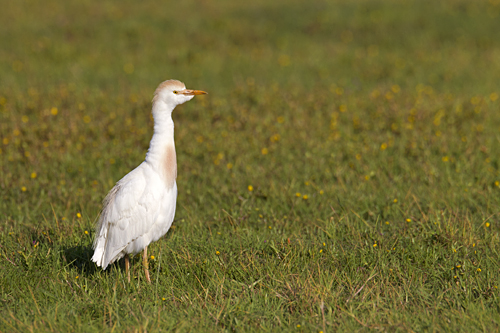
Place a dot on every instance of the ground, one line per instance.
(342, 174)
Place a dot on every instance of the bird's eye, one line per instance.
(175, 91)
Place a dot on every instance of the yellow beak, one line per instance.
(192, 92)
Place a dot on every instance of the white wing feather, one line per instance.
(136, 212)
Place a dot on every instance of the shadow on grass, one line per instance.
(78, 257)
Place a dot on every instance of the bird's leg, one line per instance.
(146, 264)
(127, 267)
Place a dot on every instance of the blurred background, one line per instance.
(362, 98)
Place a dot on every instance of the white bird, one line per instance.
(141, 206)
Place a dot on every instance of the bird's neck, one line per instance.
(161, 154)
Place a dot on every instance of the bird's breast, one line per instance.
(169, 166)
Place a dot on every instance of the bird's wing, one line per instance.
(129, 211)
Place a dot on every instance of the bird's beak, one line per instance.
(192, 92)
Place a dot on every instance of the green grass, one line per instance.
(367, 130)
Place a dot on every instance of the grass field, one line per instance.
(341, 175)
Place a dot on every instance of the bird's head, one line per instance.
(173, 93)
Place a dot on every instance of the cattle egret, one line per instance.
(140, 208)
